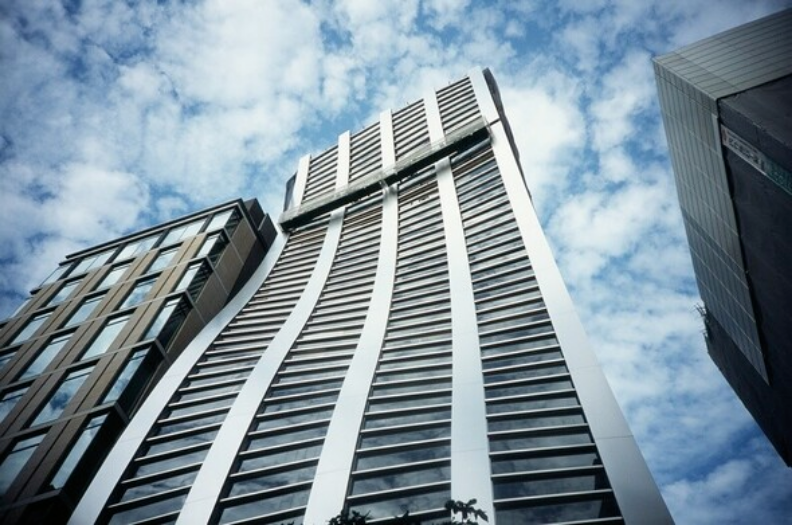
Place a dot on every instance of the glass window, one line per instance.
(113, 276)
(59, 272)
(77, 451)
(593, 507)
(219, 220)
(401, 479)
(183, 232)
(9, 401)
(30, 328)
(21, 307)
(63, 293)
(423, 452)
(16, 459)
(163, 260)
(5, 358)
(139, 292)
(46, 356)
(168, 321)
(194, 278)
(92, 261)
(272, 480)
(213, 247)
(85, 310)
(125, 376)
(135, 248)
(57, 402)
(106, 336)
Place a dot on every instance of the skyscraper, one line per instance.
(80, 355)
(406, 340)
(727, 108)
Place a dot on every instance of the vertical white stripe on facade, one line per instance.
(122, 453)
(206, 489)
(470, 466)
(300, 181)
(632, 483)
(329, 489)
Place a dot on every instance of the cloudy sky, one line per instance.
(115, 115)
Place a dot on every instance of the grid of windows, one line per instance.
(161, 475)
(541, 451)
(275, 470)
(405, 438)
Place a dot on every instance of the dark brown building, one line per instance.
(81, 354)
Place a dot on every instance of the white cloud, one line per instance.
(114, 116)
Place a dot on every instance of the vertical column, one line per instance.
(470, 466)
(335, 464)
(206, 489)
(632, 483)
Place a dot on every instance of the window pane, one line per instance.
(30, 328)
(46, 356)
(16, 459)
(125, 376)
(138, 293)
(219, 220)
(92, 261)
(106, 336)
(188, 276)
(182, 232)
(113, 276)
(213, 247)
(5, 358)
(59, 272)
(9, 401)
(168, 321)
(163, 260)
(65, 392)
(77, 451)
(63, 293)
(136, 248)
(84, 311)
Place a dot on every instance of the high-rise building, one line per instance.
(80, 355)
(407, 340)
(727, 108)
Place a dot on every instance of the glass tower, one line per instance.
(727, 106)
(407, 340)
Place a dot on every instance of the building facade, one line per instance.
(727, 109)
(407, 340)
(80, 355)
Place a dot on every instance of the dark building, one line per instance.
(406, 340)
(727, 108)
(80, 355)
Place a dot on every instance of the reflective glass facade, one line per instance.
(726, 103)
(408, 343)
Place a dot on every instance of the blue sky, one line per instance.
(116, 115)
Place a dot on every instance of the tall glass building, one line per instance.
(727, 109)
(407, 340)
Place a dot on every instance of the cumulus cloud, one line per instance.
(113, 117)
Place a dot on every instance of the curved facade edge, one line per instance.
(104, 482)
(634, 488)
(470, 465)
(208, 485)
